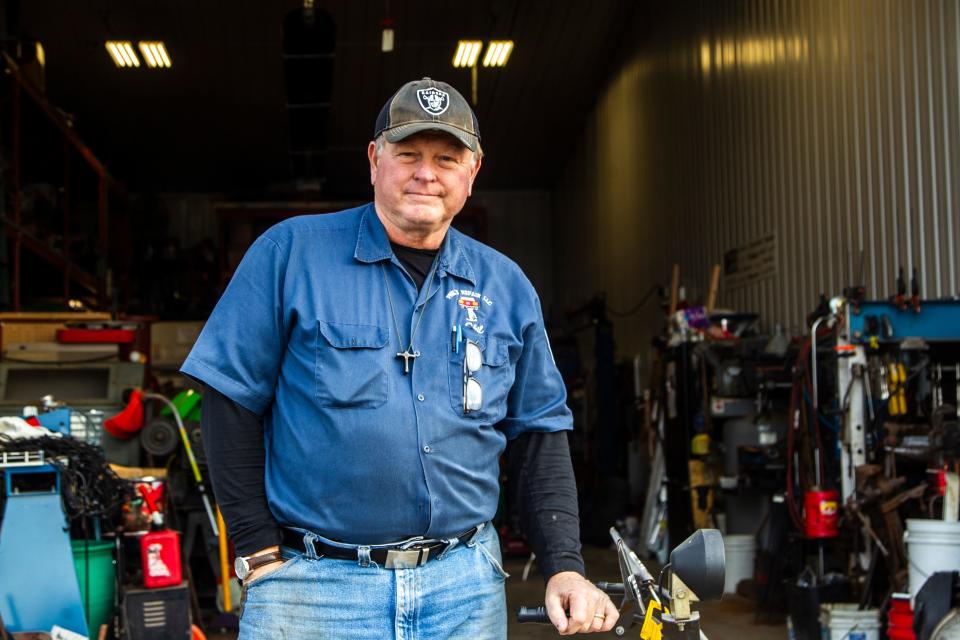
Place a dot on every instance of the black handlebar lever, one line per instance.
(611, 588)
(535, 615)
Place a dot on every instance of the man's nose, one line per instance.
(425, 172)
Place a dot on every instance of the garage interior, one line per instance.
(740, 218)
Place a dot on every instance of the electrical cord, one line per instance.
(634, 309)
(660, 588)
(792, 428)
(822, 419)
(801, 389)
(90, 488)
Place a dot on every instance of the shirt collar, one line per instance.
(373, 245)
(453, 259)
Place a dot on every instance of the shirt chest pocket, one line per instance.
(494, 378)
(350, 365)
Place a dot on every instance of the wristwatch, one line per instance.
(244, 565)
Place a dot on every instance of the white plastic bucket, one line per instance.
(842, 621)
(932, 545)
(739, 550)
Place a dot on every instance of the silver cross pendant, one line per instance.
(407, 357)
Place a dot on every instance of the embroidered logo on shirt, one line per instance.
(470, 302)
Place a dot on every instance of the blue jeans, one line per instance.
(458, 595)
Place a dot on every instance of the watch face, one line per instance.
(241, 568)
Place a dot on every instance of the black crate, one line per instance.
(157, 614)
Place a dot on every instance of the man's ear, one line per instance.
(473, 175)
(372, 157)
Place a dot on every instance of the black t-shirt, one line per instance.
(417, 262)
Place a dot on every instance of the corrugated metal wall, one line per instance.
(833, 124)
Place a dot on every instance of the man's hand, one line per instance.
(590, 609)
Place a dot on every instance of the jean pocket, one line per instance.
(284, 567)
(350, 365)
(493, 556)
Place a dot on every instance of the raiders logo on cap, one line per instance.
(433, 100)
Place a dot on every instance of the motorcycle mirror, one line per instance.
(700, 562)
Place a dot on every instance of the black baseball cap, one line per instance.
(424, 105)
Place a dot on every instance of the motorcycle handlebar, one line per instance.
(535, 615)
(538, 615)
(611, 588)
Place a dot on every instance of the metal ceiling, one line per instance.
(217, 121)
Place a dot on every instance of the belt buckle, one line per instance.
(406, 558)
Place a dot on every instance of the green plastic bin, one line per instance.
(96, 574)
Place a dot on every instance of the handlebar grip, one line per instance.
(611, 588)
(537, 615)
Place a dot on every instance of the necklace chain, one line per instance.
(407, 354)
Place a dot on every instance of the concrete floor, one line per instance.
(730, 618)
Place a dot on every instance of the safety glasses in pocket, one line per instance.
(472, 391)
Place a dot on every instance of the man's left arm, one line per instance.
(547, 500)
(547, 494)
(538, 413)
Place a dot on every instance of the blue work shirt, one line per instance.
(356, 450)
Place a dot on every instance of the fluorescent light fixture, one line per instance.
(705, 56)
(148, 55)
(498, 52)
(126, 49)
(155, 53)
(467, 53)
(122, 53)
(386, 40)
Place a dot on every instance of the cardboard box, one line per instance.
(170, 342)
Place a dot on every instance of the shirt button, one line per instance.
(420, 397)
(426, 448)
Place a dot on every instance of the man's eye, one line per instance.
(448, 160)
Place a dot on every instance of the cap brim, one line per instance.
(403, 131)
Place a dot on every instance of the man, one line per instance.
(364, 371)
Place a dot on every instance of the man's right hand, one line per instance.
(266, 569)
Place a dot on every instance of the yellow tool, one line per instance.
(651, 629)
(700, 444)
(897, 404)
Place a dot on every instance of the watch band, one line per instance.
(244, 566)
(258, 561)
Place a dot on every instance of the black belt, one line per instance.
(399, 556)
